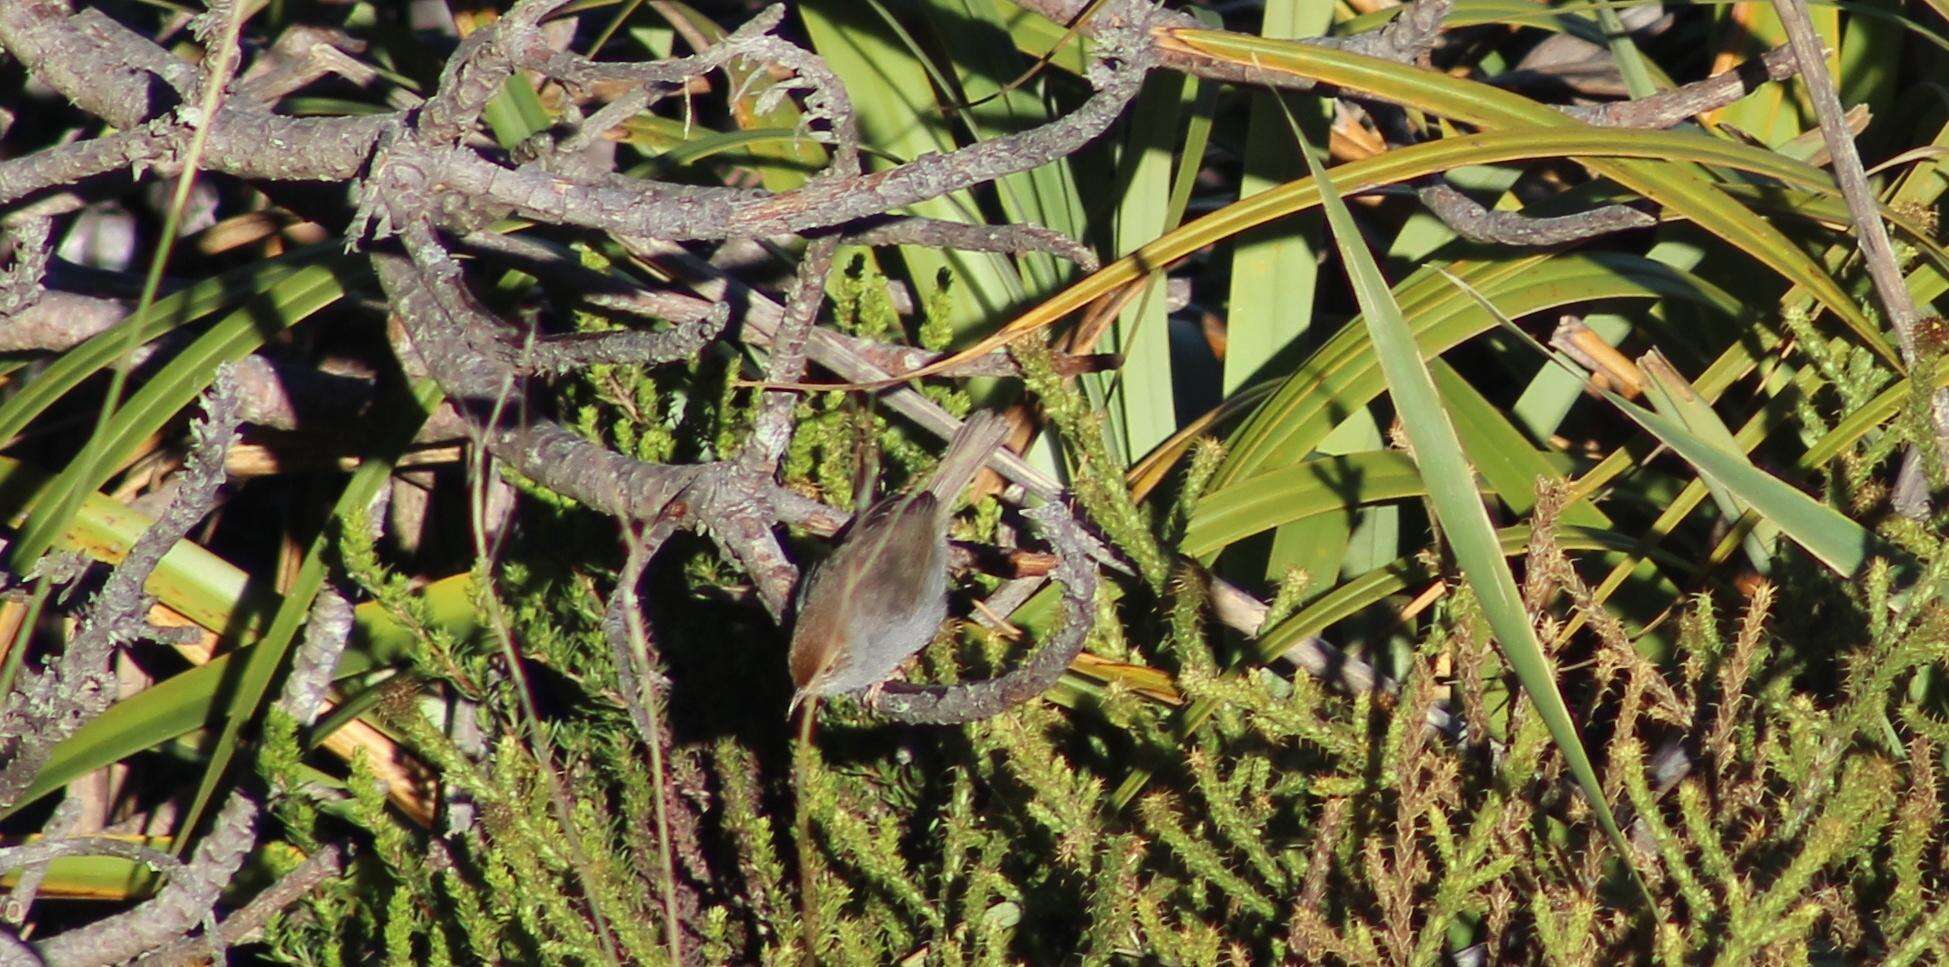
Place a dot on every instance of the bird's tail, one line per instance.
(971, 447)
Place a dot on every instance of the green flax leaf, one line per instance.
(1458, 505)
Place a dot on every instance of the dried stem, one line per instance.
(1877, 251)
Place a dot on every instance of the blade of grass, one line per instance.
(1343, 373)
(1325, 485)
(1672, 396)
(1458, 506)
(1141, 397)
(1624, 50)
(1275, 271)
(1547, 400)
(1274, 267)
(1506, 460)
(1562, 17)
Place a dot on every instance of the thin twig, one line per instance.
(803, 754)
(634, 347)
(938, 233)
(42, 851)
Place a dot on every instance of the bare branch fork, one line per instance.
(420, 187)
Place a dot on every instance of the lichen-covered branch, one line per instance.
(1406, 38)
(241, 926)
(327, 629)
(1478, 224)
(188, 899)
(51, 703)
(631, 348)
(771, 428)
(20, 284)
(936, 233)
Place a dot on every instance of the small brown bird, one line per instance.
(880, 596)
